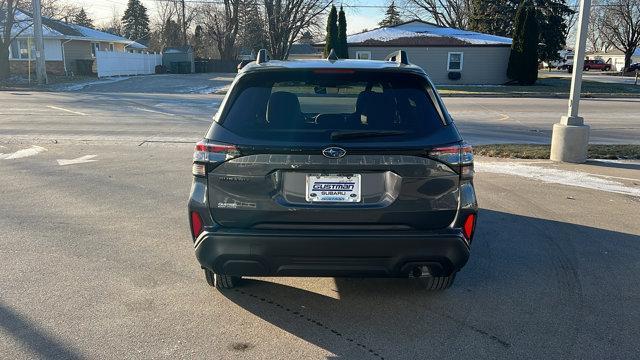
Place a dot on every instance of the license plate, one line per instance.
(333, 188)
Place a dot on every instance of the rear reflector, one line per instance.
(469, 226)
(196, 224)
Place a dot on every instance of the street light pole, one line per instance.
(571, 136)
(41, 69)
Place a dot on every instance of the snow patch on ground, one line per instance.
(557, 176)
(82, 85)
(203, 90)
(33, 150)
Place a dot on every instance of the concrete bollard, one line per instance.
(570, 140)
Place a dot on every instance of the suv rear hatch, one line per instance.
(333, 150)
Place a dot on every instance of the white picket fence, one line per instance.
(110, 63)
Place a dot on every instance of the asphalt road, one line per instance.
(594, 75)
(96, 259)
(169, 107)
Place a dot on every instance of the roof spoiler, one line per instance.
(262, 57)
(399, 56)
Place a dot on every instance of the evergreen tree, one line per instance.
(135, 22)
(523, 59)
(496, 17)
(492, 16)
(391, 17)
(252, 34)
(171, 34)
(331, 39)
(198, 43)
(82, 19)
(342, 46)
(552, 28)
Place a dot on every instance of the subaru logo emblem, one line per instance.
(334, 152)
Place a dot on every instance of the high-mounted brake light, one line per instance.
(459, 157)
(333, 71)
(212, 153)
(196, 224)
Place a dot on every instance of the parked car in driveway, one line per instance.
(332, 168)
(634, 67)
(592, 65)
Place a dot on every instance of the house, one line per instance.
(66, 45)
(301, 51)
(448, 55)
(614, 57)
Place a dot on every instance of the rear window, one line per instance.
(316, 105)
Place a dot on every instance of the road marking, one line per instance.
(79, 160)
(557, 176)
(152, 111)
(67, 110)
(33, 150)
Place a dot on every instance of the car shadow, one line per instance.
(533, 287)
(35, 341)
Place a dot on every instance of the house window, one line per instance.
(363, 55)
(454, 61)
(110, 46)
(20, 49)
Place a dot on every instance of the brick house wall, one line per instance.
(22, 67)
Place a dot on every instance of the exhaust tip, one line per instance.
(421, 271)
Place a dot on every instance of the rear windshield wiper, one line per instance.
(364, 134)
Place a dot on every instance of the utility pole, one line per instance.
(41, 69)
(184, 25)
(570, 137)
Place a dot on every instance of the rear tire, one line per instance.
(436, 283)
(220, 281)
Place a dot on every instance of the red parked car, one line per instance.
(593, 64)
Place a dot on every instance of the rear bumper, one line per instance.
(327, 253)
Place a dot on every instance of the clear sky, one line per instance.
(358, 17)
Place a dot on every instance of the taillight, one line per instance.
(212, 153)
(196, 224)
(459, 157)
(469, 226)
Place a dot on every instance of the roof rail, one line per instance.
(332, 55)
(262, 56)
(399, 56)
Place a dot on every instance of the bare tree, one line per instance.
(286, 19)
(449, 13)
(595, 39)
(57, 9)
(620, 26)
(221, 24)
(11, 28)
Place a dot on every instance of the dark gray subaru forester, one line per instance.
(332, 168)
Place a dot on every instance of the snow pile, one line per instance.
(557, 176)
